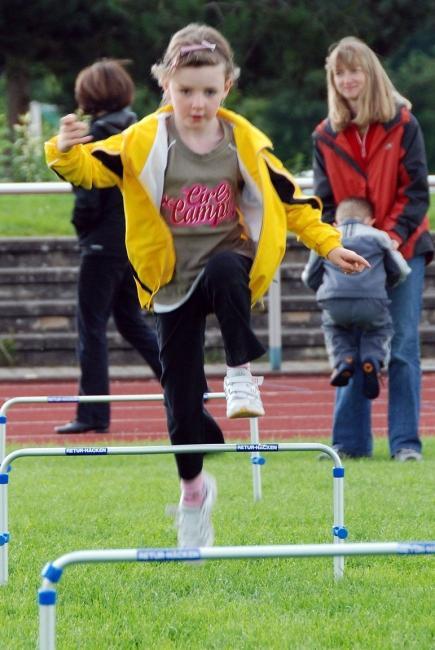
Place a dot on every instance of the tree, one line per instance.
(280, 46)
(47, 35)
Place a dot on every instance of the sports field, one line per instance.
(58, 505)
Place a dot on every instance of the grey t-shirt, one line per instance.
(199, 205)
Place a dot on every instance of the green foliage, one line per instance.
(22, 155)
(7, 352)
(280, 47)
(415, 76)
(59, 505)
(5, 147)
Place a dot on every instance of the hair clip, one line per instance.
(204, 45)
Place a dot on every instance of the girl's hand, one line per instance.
(72, 131)
(348, 261)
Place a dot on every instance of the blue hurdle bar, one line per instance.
(52, 572)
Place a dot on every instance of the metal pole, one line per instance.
(338, 529)
(274, 313)
(3, 421)
(35, 188)
(47, 618)
(4, 533)
(304, 182)
(256, 459)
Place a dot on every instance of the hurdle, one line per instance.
(52, 572)
(256, 459)
(339, 531)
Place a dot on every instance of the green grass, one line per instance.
(41, 215)
(38, 215)
(432, 212)
(59, 505)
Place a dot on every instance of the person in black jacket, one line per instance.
(104, 90)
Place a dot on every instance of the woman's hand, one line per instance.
(72, 131)
(348, 261)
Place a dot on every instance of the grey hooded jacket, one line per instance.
(387, 266)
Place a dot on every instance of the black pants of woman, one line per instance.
(106, 287)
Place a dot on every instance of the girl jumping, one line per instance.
(207, 209)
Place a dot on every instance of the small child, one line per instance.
(356, 320)
(207, 209)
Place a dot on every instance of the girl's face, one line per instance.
(196, 94)
(349, 82)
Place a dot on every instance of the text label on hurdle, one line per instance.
(417, 548)
(86, 451)
(167, 554)
(258, 447)
(62, 398)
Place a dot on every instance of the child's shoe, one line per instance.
(343, 372)
(243, 395)
(370, 387)
(194, 522)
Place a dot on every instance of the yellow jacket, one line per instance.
(135, 161)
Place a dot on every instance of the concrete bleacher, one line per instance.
(37, 310)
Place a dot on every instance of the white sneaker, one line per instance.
(243, 395)
(194, 523)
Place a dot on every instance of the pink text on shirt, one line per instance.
(201, 206)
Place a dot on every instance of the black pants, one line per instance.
(105, 287)
(224, 291)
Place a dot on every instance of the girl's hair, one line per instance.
(105, 86)
(379, 99)
(196, 45)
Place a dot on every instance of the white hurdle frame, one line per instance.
(338, 529)
(75, 399)
(256, 458)
(52, 573)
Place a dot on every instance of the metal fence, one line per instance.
(304, 182)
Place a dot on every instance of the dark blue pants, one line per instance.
(106, 287)
(223, 290)
(352, 429)
(360, 328)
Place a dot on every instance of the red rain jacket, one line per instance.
(393, 176)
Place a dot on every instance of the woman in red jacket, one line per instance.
(371, 146)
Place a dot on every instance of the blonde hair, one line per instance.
(354, 207)
(379, 99)
(214, 49)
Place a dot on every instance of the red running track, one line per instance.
(296, 406)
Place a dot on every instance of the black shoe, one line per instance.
(80, 427)
(342, 373)
(370, 387)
